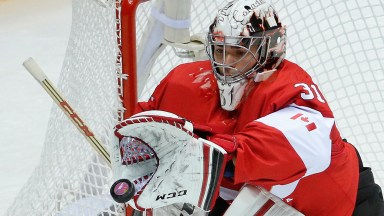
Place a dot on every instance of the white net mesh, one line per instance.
(338, 42)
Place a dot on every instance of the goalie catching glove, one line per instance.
(166, 162)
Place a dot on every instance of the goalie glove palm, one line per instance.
(167, 163)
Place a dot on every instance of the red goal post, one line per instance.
(126, 30)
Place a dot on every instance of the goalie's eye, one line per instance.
(218, 53)
(219, 50)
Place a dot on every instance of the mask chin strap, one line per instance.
(262, 76)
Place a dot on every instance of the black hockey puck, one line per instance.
(122, 190)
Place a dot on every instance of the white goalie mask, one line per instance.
(245, 42)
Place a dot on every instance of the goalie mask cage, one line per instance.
(340, 43)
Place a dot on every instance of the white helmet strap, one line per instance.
(262, 76)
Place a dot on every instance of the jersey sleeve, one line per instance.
(277, 150)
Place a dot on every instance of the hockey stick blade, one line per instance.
(34, 69)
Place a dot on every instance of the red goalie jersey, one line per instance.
(287, 139)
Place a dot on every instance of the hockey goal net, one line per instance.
(340, 43)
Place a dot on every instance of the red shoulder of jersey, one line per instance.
(190, 90)
(290, 84)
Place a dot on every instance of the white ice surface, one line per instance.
(28, 28)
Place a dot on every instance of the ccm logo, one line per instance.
(171, 195)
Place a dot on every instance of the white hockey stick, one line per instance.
(34, 69)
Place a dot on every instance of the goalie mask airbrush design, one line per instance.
(245, 41)
(166, 162)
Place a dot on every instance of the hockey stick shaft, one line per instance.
(35, 70)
